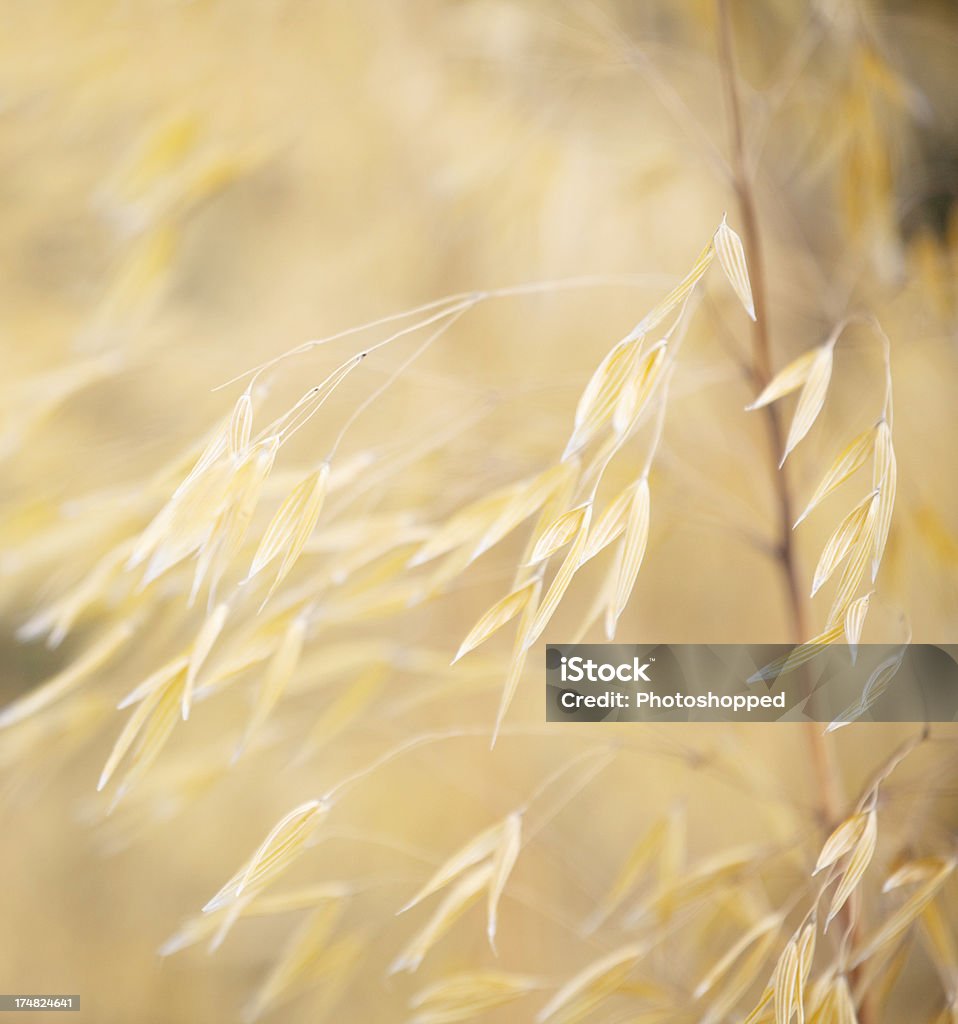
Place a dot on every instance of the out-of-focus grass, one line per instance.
(191, 188)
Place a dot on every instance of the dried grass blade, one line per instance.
(786, 977)
(639, 390)
(762, 929)
(184, 524)
(560, 583)
(842, 839)
(301, 953)
(759, 1012)
(234, 523)
(854, 623)
(609, 525)
(641, 856)
(549, 491)
(836, 1005)
(466, 524)
(202, 646)
(940, 942)
(154, 681)
(457, 901)
(590, 986)
(478, 848)
(278, 674)
(742, 980)
(633, 552)
(288, 517)
(787, 380)
(839, 544)
(789, 978)
(345, 709)
(798, 656)
(854, 572)
(156, 731)
(287, 838)
(241, 424)
(858, 863)
(848, 461)
(731, 256)
(913, 872)
(503, 611)
(601, 394)
(874, 687)
(460, 997)
(304, 526)
(507, 851)
(700, 881)
(678, 295)
(887, 486)
(812, 398)
(559, 533)
(518, 659)
(906, 913)
(134, 724)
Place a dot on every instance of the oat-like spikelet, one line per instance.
(610, 525)
(146, 732)
(791, 975)
(281, 667)
(291, 526)
(458, 900)
(860, 539)
(349, 706)
(874, 687)
(750, 953)
(846, 534)
(798, 656)
(560, 582)
(846, 463)
(503, 860)
(731, 256)
(459, 997)
(860, 856)
(854, 622)
(200, 651)
(310, 957)
(930, 874)
(885, 480)
(844, 839)
(591, 986)
(504, 610)
(639, 389)
(811, 400)
(204, 926)
(633, 551)
(241, 424)
(277, 851)
(602, 394)
(560, 532)
(518, 660)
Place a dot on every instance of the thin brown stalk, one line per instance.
(761, 371)
(827, 775)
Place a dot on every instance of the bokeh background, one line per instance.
(190, 188)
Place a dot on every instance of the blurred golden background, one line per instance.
(190, 189)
